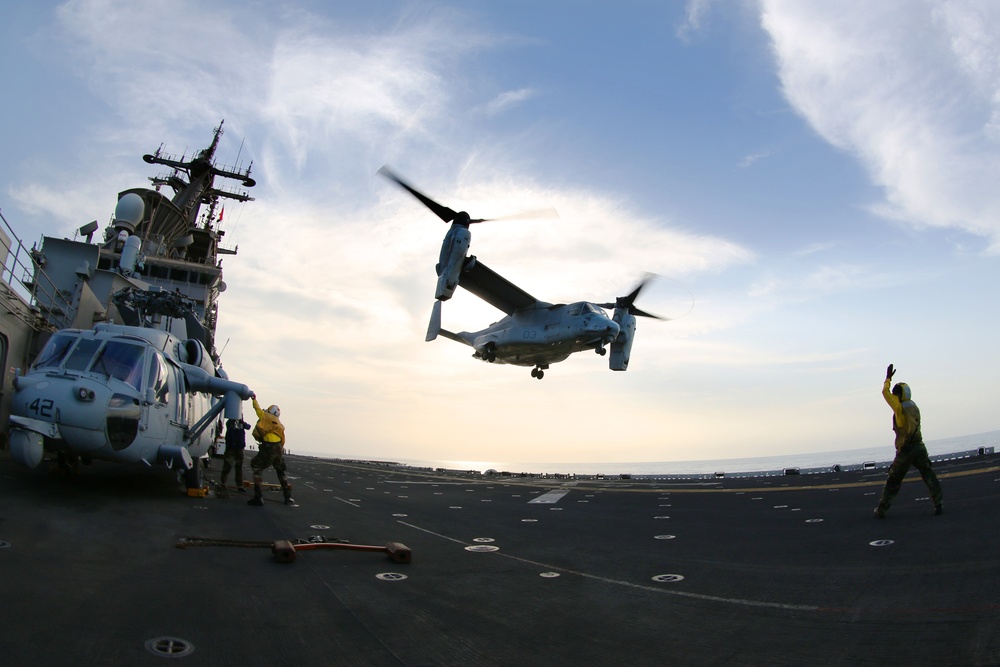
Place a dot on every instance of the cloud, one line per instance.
(881, 82)
(508, 99)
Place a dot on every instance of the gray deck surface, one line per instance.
(791, 570)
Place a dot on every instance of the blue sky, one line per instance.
(819, 179)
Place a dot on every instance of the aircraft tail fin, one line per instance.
(434, 326)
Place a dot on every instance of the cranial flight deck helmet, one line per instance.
(902, 391)
(274, 410)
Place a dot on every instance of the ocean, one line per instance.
(816, 461)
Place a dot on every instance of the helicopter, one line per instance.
(533, 333)
(122, 393)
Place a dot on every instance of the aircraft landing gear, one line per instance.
(490, 352)
(193, 477)
(601, 350)
(537, 372)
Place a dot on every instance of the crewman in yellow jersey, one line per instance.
(910, 448)
(270, 434)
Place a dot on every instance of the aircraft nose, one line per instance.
(606, 328)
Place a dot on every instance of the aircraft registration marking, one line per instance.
(549, 498)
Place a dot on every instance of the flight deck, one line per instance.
(786, 570)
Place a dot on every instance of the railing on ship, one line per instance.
(25, 280)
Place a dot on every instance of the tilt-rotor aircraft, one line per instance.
(129, 372)
(534, 333)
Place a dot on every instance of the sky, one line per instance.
(813, 184)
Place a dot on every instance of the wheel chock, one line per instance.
(284, 551)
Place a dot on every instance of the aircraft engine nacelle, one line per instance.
(453, 250)
(621, 347)
(193, 352)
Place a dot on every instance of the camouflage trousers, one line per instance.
(232, 458)
(269, 455)
(910, 455)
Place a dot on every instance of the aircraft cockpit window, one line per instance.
(54, 351)
(120, 360)
(81, 355)
(158, 378)
(575, 309)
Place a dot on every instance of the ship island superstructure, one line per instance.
(158, 264)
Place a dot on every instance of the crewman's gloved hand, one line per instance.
(889, 372)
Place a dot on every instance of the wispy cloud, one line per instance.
(508, 99)
(881, 81)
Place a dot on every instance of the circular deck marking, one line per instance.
(169, 647)
(328, 489)
(529, 520)
(880, 543)
(484, 540)
(814, 520)
(390, 576)
(455, 507)
(780, 507)
(668, 578)
(667, 505)
(556, 509)
(661, 517)
(319, 526)
(355, 500)
(482, 548)
(664, 537)
(399, 515)
(549, 575)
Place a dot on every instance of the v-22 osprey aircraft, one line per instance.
(534, 333)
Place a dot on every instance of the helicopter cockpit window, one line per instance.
(81, 355)
(158, 378)
(574, 309)
(54, 351)
(120, 360)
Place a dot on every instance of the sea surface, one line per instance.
(820, 460)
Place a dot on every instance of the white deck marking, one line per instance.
(550, 498)
(629, 584)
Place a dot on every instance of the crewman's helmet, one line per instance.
(274, 410)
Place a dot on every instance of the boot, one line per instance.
(258, 497)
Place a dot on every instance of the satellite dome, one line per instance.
(128, 212)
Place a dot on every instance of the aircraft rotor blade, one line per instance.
(628, 302)
(461, 217)
(443, 212)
